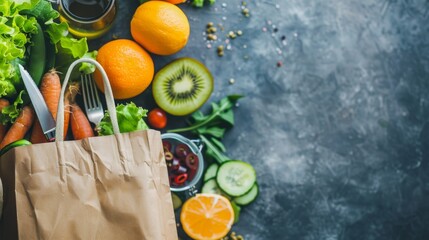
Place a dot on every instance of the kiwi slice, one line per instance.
(182, 86)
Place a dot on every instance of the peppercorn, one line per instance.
(211, 37)
(211, 30)
(232, 35)
(246, 12)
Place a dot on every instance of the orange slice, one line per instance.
(207, 216)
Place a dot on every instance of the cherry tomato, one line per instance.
(157, 118)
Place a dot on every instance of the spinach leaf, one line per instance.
(221, 112)
(213, 131)
(213, 151)
(212, 127)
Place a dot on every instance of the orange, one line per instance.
(175, 1)
(129, 67)
(207, 216)
(160, 27)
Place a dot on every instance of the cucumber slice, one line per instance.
(237, 210)
(248, 197)
(236, 177)
(22, 142)
(211, 187)
(211, 172)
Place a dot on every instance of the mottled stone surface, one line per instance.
(339, 133)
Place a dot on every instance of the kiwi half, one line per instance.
(182, 86)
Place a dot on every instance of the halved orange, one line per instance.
(207, 216)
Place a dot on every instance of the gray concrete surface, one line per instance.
(339, 133)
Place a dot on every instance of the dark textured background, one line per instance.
(339, 133)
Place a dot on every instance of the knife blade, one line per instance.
(46, 120)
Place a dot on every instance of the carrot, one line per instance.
(20, 127)
(81, 128)
(3, 128)
(69, 98)
(50, 87)
(37, 135)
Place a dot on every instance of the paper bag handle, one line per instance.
(59, 135)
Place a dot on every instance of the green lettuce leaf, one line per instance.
(42, 10)
(130, 118)
(70, 49)
(6, 88)
(56, 31)
(23, 4)
(88, 67)
(15, 30)
(18, 19)
(11, 112)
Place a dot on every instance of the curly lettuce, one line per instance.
(130, 118)
(18, 24)
(12, 111)
(15, 34)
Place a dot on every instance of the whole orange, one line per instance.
(160, 27)
(129, 67)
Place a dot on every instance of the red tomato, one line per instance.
(157, 118)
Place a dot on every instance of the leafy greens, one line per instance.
(130, 118)
(200, 3)
(211, 128)
(18, 21)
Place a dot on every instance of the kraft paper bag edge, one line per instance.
(154, 142)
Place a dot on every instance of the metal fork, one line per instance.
(93, 106)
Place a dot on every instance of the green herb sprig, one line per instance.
(200, 3)
(211, 128)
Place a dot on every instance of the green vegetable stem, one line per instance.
(211, 128)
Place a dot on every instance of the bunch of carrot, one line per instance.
(18, 130)
(50, 87)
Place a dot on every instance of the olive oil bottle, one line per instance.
(88, 18)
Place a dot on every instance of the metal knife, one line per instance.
(45, 117)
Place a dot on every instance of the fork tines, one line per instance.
(90, 94)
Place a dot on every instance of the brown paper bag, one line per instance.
(110, 187)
